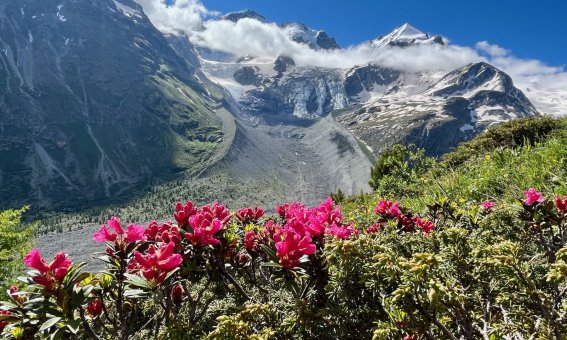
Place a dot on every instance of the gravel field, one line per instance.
(309, 160)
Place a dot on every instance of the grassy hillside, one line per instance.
(498, 165)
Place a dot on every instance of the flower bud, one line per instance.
(17, 298)
(243, 258)
(3, 324)
(95, 308)
(177, 293)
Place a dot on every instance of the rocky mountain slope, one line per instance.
(379, 105)
(95, 103)
(411, 108)
(98, 104)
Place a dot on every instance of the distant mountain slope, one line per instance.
(379, 105)
(435, 116)
(93, 103)
(96, 103)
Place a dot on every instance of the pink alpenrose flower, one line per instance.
(132, 234)
(343, 232)
(291, 246)
(487, 205)
(388, 209)
(561, 204)
(94, 308)
(425, 225)
(204, 231)
(249, 214)
(184, 212)
(158, 262)
(533, 196)
(48, 273)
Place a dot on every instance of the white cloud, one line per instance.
(251, 37)
(545, 86)
(183, 16)
(492, 50)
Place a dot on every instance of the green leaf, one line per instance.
(137, 281)
(49, 323)
(7, 304)
(171, 273)
(135, 293)
(87, 290)
(272, 265)
(35, 301)
(58, 334)
(74, 326)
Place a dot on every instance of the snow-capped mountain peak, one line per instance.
(315, 39)
(247, 13)
(407, 31)
(406, 35)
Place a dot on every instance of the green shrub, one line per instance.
(397, 167)
(15, 242)
(467, 254)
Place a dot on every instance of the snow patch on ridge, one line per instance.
(59, 15)
(127, 10)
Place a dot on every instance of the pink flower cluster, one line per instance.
(94, 308)
(166, 232)
(487, 205)
(251, 240)
(326, 218)
(373, 229)
(388, 209)
(112, 231)
(295, 238)
(157, 263)
(183, 212)
(391, 210)
(425, 225)
(561, 204)
(533, 197)
(206, 223)
(249, 214)
(51, 273)
(291, 246)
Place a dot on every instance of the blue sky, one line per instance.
(530, 29)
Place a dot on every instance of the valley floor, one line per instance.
(267, 162)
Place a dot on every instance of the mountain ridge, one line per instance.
(134, 106)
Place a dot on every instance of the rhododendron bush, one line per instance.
(474, 270)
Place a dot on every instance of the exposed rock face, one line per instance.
(365, 78)
(94, 103)
(326, 42)
(249, 75)
(248, 13)
(301, 92)
(382, 106)
(457, 107)
(283, 64)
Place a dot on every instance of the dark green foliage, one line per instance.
(15, 241)
(513, 134)
(397, 166)
(338, 196)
